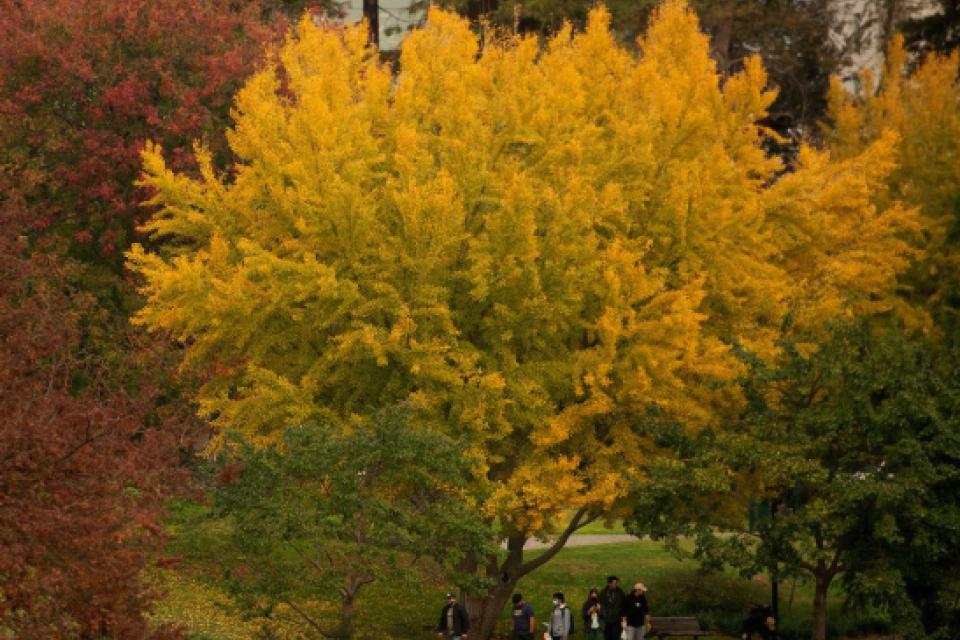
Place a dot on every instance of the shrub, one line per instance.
(718, 601)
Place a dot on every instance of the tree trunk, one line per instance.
(348, 596)
(822, 579)
(346, 617)
(484, 609)
(720, 49)
(371, 11)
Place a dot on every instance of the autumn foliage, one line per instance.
(539, 246)
(84, 82)
(520, 240)
(87, 455)
(533, 243)
(86, 458)
(922, 105)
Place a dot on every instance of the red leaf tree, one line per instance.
(83, 83)
(86, 459)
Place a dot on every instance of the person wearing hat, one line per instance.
(454, 621)
(636, 612)
(612, 599)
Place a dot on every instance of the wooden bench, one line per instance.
(676, 627)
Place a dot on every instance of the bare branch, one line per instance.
(323, 631)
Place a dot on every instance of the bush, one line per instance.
(842, 622)
(718, 601)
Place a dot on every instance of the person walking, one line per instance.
(612, 599)
(760, 623)
(561, 620)
(636, 612)
(454, 621)
(593, 614)
(524, 621)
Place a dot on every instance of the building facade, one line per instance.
(863, 28)
(394, 19)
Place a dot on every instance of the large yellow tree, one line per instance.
(532, 243)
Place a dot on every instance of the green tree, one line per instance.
(311, 521)
(857, 446)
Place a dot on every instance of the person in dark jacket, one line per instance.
(760, 623)
(454, 621)
(636, 612)
(524, 622)
(593, 616)
(612, 599)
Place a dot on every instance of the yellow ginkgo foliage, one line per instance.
(922, 106)
(532, 243)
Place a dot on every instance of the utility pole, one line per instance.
(371, 11)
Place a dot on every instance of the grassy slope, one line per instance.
(574, 571)
(394, 611)
(600, 527)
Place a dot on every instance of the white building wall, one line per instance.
(395, 20)
(859, 32)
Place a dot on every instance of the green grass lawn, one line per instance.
(599, 527)
(395, 611)
(575, 570)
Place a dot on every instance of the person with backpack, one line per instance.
(560, 626)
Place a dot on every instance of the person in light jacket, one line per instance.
(561, 620)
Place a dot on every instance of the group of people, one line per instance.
(610, 614)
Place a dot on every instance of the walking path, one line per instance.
(585, 540)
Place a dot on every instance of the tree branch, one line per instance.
(835, 566)
(312, 562)
(326, 633)
(579, 520)
(807, 566)
(90, 439)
